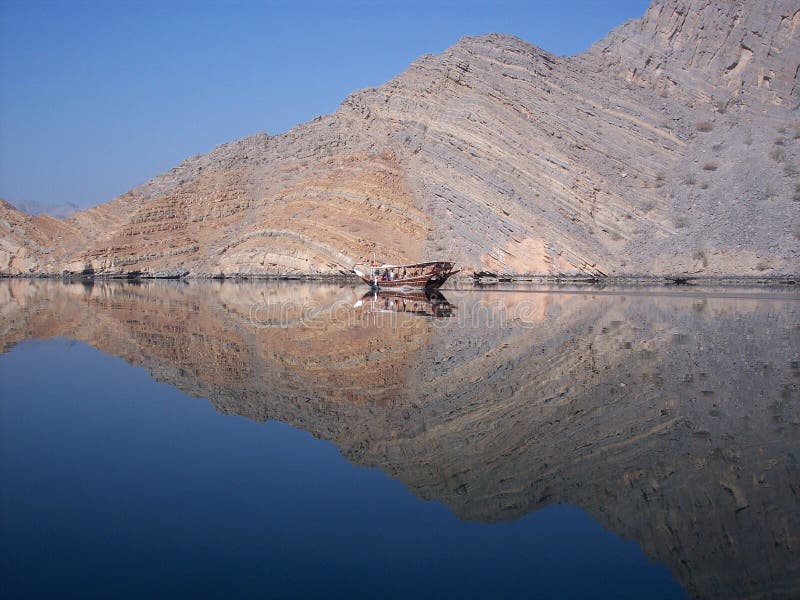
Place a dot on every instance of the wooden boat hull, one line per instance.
(434, 276)
(409, 283)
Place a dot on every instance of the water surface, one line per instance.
(304, 440)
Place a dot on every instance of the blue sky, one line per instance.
(97, 97)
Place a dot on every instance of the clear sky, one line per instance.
(99, 96)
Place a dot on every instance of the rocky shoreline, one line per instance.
(477, 280)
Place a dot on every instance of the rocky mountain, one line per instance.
(671, 419)
(33, 244)
(669, 147)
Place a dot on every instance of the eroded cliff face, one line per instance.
(670, 147)
(672, 420)
(700, 49)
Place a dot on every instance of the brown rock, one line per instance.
(504, 158)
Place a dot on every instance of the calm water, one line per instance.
(305, 441)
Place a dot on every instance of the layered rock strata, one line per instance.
(670, 147)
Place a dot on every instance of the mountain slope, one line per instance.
(670, 147)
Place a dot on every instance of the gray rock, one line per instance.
(674, 138)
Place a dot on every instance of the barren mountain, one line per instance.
(670, 147)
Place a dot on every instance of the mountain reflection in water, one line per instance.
(672, 419)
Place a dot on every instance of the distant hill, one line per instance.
(59, 211)
(669, 147)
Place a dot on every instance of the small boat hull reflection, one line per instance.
(423, 303)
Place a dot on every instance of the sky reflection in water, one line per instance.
(515, 432)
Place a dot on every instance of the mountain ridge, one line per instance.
(666, 148)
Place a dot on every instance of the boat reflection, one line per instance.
(428, 303)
